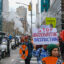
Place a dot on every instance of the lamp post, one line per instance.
(31, 17)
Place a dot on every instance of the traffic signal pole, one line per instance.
(31, 17)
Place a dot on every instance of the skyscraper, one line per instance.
(62, 10)
(1, 3)
(5, 6)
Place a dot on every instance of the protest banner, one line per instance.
(45, 36)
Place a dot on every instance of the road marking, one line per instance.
(34, 58)
(30, 61)
(12, 60)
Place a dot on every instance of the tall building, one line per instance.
(1, 4)
(22, 12)
(37, 16)
(40, 16)
(5, 10)
(5, 13)
(62, 15)
(55, 11)
(5, 6)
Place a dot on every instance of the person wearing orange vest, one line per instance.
(30, 49)
(53, 58)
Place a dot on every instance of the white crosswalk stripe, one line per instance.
(21, 61)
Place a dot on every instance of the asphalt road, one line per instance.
(15, 58)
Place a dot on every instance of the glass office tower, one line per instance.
(1, 3)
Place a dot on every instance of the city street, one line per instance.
(15, 58)
(31, 31)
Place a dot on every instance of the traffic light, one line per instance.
(29, 7)
(45, 5)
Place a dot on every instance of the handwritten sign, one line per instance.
(45, 36)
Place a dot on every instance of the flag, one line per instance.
(45, 5)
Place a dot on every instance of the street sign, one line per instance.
(51, 21)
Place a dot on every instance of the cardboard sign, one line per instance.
(51, 21)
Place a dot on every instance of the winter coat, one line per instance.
(40, 53)
(30, 49)
(51, 60)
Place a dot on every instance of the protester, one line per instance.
(22, 39)
(8, 47)
(61, 44)
(53, 58)
(40, 53)
(38, 46)
(30, 49)
(10, 37)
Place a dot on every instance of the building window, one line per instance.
(62, 25)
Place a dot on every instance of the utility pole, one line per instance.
(31, 17)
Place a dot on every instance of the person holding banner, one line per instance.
(53, 58)
(40, 53)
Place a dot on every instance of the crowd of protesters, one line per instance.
(46, 54)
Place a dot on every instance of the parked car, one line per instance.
(5, 47)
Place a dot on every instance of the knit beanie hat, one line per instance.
(50, 47)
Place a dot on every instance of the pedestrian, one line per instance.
(53, 57)
(8, 47)
(22, 39)
(38, 46)
(10, 37)
(30, 49)
(40, 53)
(61, 44)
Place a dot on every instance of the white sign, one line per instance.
(45, 36)
(45, 26)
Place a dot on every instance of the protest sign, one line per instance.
(51, 21)
(45, 36)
